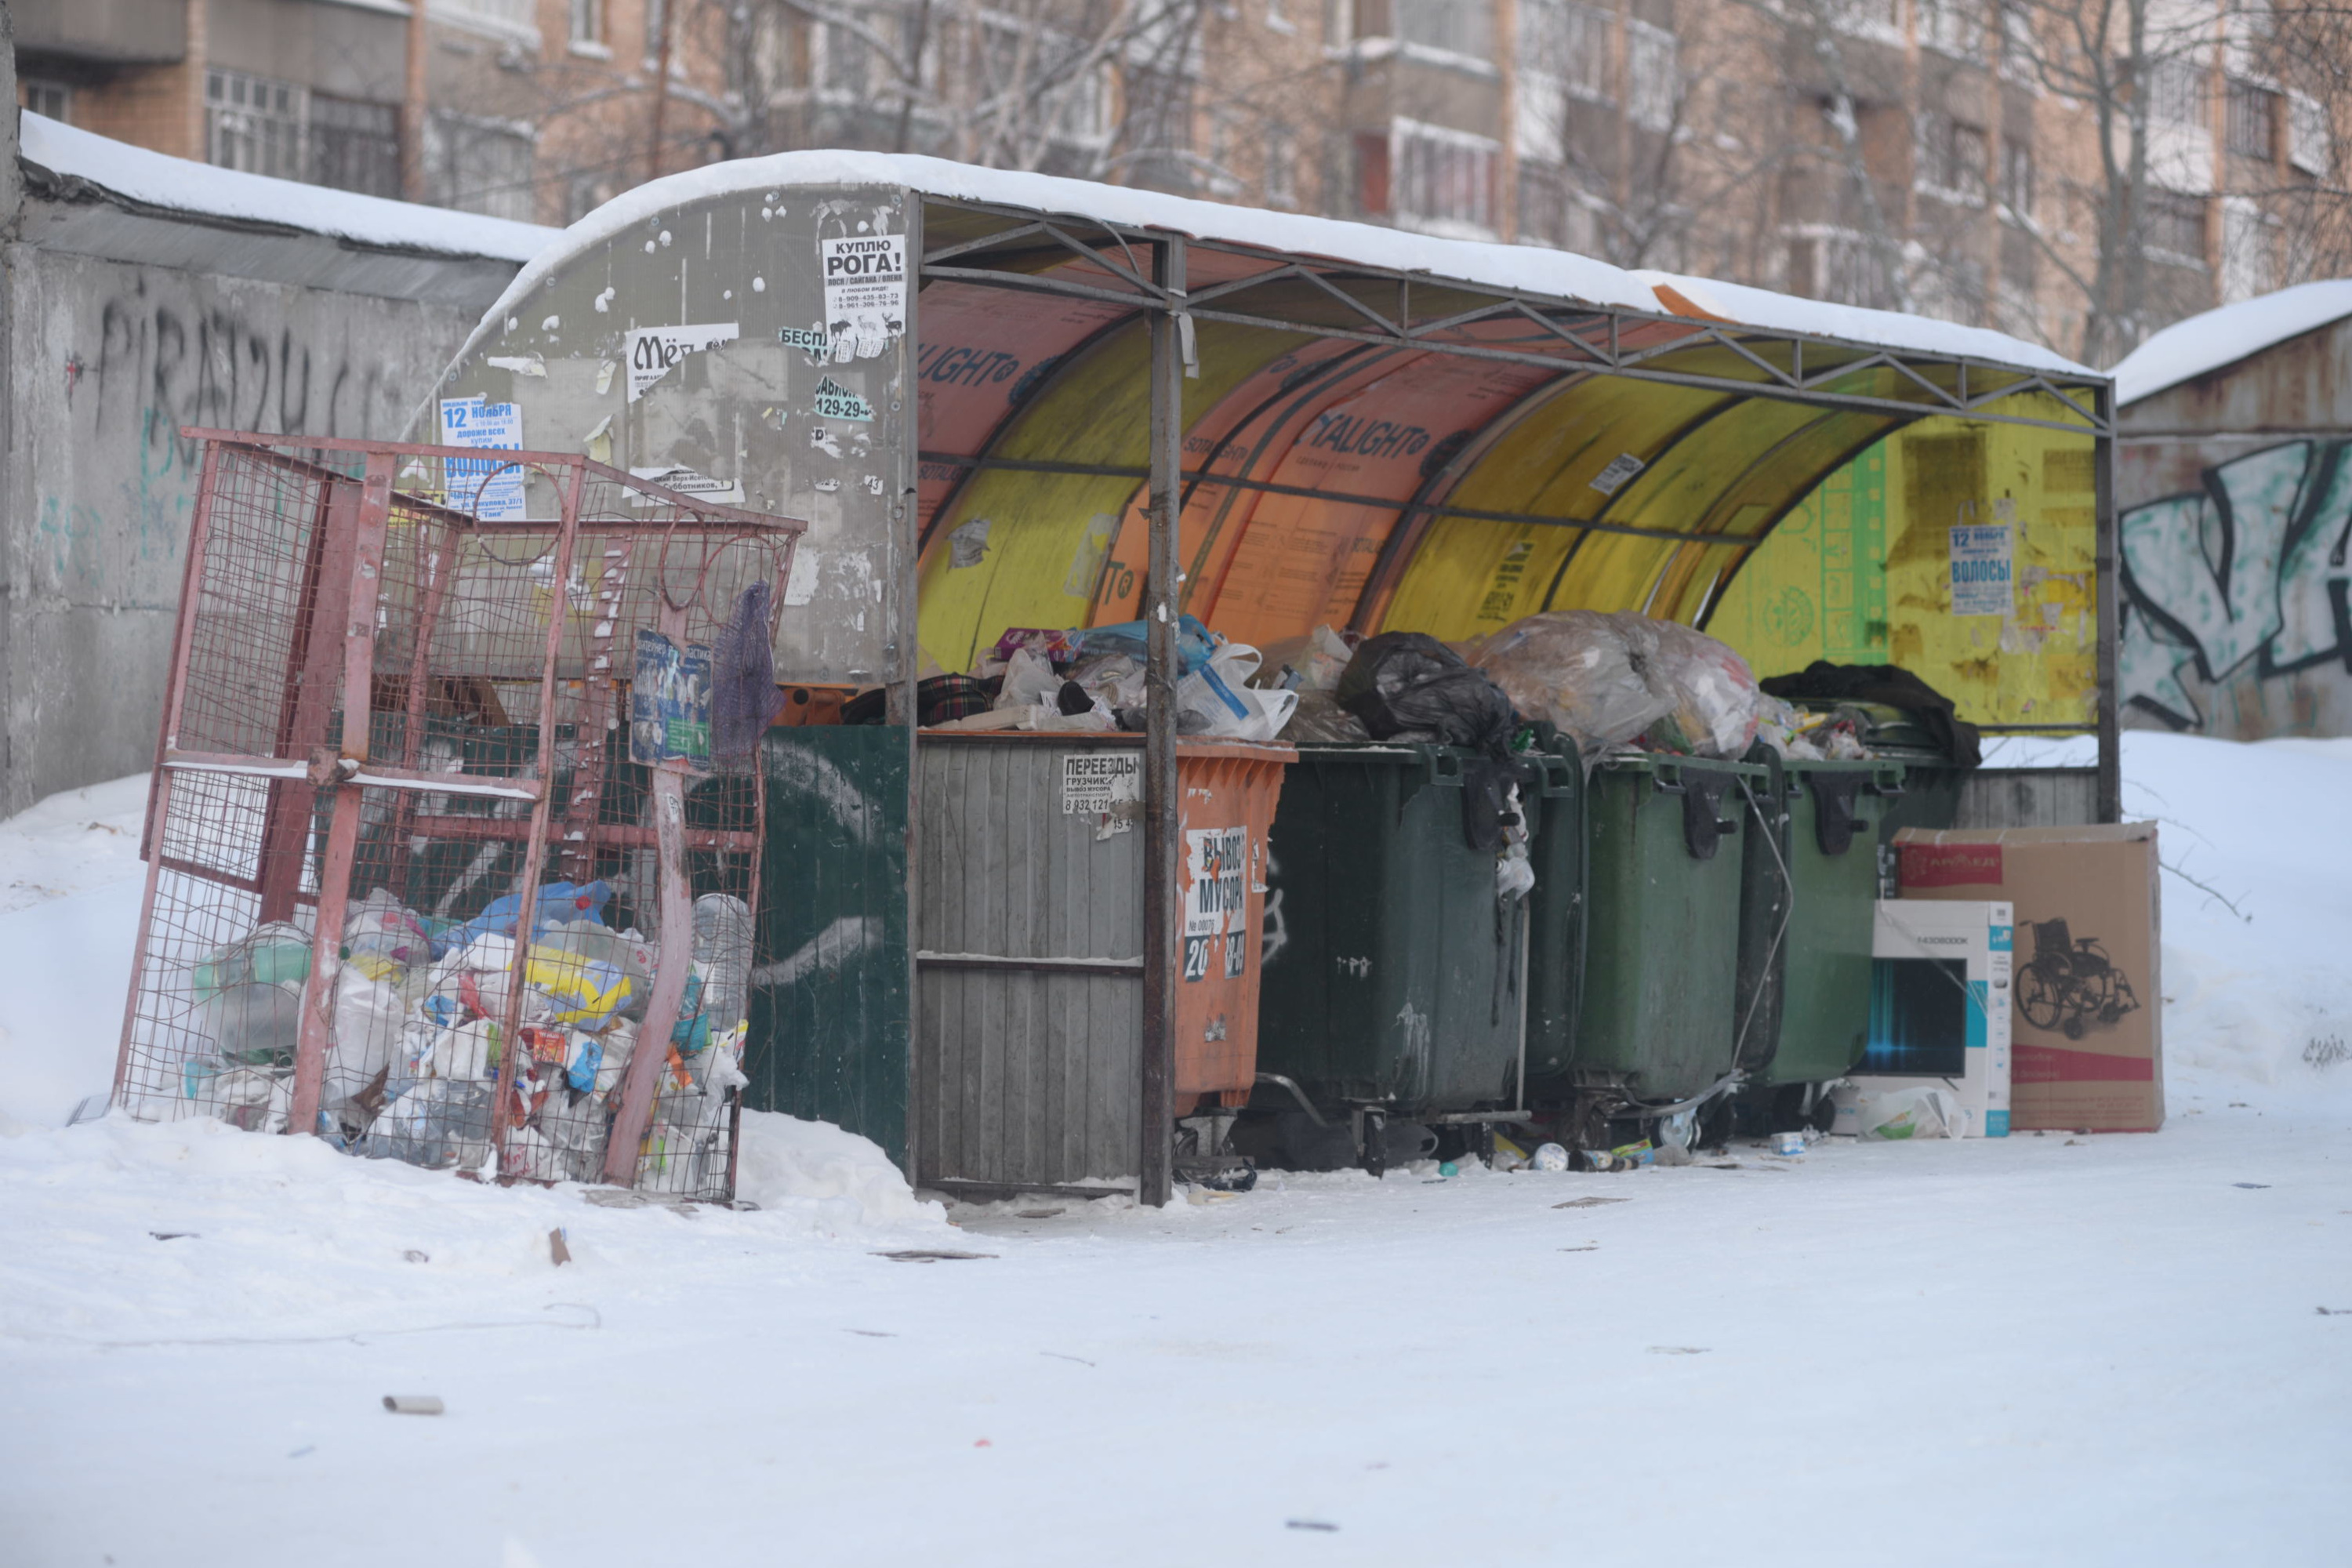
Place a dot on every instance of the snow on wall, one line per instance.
(2189, 349)
(200, 190)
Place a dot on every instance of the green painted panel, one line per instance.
(829, 994)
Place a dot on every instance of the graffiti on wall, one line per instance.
(2244, 579)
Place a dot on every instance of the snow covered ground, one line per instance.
(2041, 1350)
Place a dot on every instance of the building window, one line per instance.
(1653, 87)
(485, 166)
(2249, 250)
(1281, 166)
(2253, 120)
(2308, 144)
(588, 24)
(1464, 27)
(2016, 178)
(54, 99)
(1567, 44)
(2176, 226)
(1951, 26)
(2176, 88)
(1951, 160)
(1445, 179)
(255, 124)
(354, 146)
(844, 63)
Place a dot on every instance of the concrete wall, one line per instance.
(2234, 495)
(105, 361)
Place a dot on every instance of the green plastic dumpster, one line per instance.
(1806, 917)
(1556, 918)
(1393, 972)
(1664, 842)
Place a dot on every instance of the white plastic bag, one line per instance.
(369, 1016)
(1917, 1113)
(1220, 693)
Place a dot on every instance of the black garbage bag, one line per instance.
(1892, 685)
(1408, 686)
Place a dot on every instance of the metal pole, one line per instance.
(906, 650)
(413, 107)
(1161, 822)
(2111, 760)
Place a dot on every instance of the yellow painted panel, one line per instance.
(1037, 559)
(1860, 573)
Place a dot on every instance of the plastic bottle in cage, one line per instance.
(722, 940)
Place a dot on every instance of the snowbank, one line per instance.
(2189, 349)
(817, 1170)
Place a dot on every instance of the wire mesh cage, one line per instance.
(453, 842)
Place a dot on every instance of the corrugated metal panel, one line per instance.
(829, 992)
(2029, 798)
(1025, 1077)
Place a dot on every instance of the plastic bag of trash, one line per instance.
(1320, 718)
(1911, 1113)
(1311, 663)
(1220, 695)
(1408, 686)
(1605, 680)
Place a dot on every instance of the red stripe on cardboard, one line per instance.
(2054, 1064)
(1951, 865)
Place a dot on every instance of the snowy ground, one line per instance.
(2043, 1350)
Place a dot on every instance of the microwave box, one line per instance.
(1940, 1007)
(2087, 1014)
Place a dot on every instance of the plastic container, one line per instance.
(1806, 916)
(1665, 840)
(1392, 966)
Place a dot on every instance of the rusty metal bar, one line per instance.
(534, 854)
(356, 624)
(675, 924)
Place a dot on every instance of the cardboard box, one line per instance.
(1940, 1007)
(2087, 1018)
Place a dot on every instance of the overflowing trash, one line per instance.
(1607, 680)
(418, 1049)
(1093, 681)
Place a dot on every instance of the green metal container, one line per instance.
(830, 987)
(1393, 972)
(1664, 838)
(1555, 919)
(1806, 917)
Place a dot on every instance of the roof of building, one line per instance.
(2219, 338)
(90, 196)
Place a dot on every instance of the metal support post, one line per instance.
(1162, 826)
(2110, 591)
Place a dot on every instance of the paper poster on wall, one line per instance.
(1980, 569)
(688, 482)
(1104, 785)
(865, 292)
(485, 487)
(653, 351)
(835, 401)
(1216, 900)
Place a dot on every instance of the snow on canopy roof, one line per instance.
(1740, 303)
(200, 190)
(2189, 349)
(1531, 268)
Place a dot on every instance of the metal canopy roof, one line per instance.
(1388, 449)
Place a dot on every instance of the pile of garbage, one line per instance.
(1091, 679)
(418, 1050)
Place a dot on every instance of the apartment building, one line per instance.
(531, 110)
(1960, 158)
